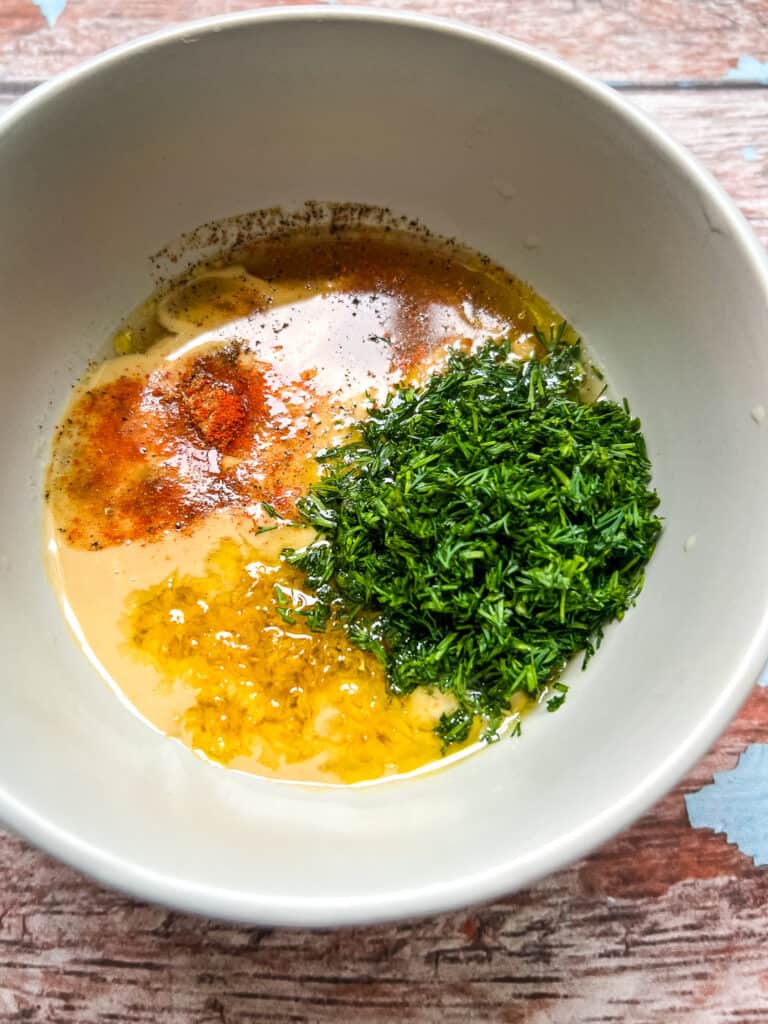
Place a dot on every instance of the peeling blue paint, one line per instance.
(750, 153)
(51, 9)
(749, 69)
(763, 680)
(736, 803)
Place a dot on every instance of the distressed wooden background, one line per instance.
(665, 923)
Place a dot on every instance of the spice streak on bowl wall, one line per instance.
(172, 456)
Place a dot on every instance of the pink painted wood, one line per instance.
(663, 923)
(625, 40)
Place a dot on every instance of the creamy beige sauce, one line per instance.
(93, 587)
(330, 325)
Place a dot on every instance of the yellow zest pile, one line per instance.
(273, 692)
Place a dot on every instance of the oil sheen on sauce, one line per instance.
(175, 473)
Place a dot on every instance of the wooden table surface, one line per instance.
(665, 923)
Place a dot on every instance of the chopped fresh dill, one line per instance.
(284, 605)
(479, 531)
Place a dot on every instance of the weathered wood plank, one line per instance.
(664, 923)
(626, 40)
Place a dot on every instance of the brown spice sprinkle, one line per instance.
(144, 454)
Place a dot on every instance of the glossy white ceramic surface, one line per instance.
(553, 176)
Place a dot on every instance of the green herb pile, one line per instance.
(482, 529)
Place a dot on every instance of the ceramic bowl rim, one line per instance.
(462, 890)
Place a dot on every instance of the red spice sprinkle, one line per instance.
(220, 401)
(142, 455)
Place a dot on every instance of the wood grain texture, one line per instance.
(621, 40)
(664, 923)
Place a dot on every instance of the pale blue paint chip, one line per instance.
(51, 9)
(749, 69)
(736, 803)
(763, 680)
(750, 153)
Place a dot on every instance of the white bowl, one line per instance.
(555, 177)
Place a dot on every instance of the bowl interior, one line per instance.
(547, 175)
